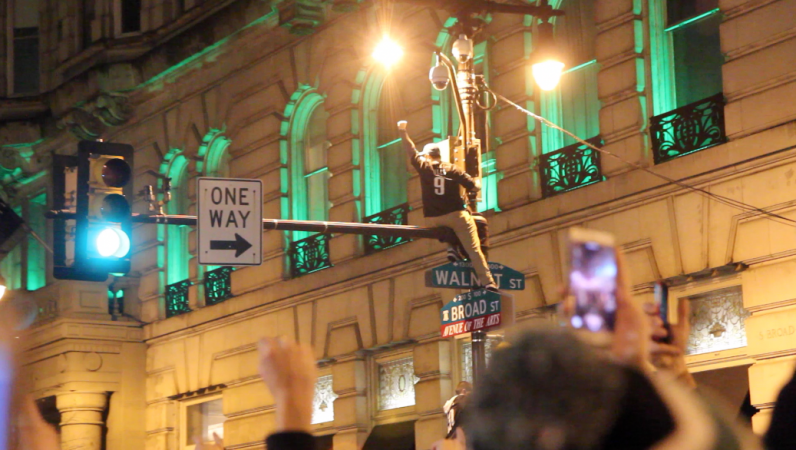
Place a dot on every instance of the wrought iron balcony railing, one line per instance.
(309, 255)
(218, 285)
(398, 215)
(177, 298)
(692, 127)
(571, 167)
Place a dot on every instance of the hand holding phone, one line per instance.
(592, 280)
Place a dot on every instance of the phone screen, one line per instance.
(592, 283)
(662, 301)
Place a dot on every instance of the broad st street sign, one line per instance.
(230, 221)
(472, 311)
(460, 275)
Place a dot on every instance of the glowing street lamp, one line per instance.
(546, 67)
(387, 52)
(2, 286)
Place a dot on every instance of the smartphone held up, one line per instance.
(592, 280)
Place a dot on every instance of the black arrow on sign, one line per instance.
(240, 245)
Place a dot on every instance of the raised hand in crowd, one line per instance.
(290, 372)
(667, 350)
(631, 336)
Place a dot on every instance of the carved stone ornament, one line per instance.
(82, 124)
(90, 120)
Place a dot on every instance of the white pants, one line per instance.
(462, 223)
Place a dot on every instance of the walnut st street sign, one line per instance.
(460, 275)
(230, 221)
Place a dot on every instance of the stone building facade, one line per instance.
(286, 92)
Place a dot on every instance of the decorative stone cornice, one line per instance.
(89, 120)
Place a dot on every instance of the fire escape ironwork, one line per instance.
(571, 167)
(309, 255)
(398, 215)
(687, 129)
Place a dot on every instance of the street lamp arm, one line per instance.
(455, 88)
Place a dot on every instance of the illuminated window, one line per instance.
(686, 52)
(718, 321)
(392, 158)
(200, 418)
(323, 401)
(24, 60)
(574, 104)
(305, 134)
(37, 254)
(385, 174)
(489, 182)
(466, 355)
(397, 384)
(177, 254)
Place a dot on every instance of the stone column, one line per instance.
(432, 361)
(81, 419)
(621, 86)
(349, 378)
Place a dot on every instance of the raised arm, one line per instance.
(409, 146)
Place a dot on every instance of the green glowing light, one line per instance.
(691, 20)
(580, 66)
(395, 141)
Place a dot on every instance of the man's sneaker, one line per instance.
(454, 255)
(492, 287)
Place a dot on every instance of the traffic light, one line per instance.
(103, 222)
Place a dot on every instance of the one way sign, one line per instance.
(230, 230)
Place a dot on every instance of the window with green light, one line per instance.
(177, 255)
(216, 159)
(37, 255)
(686, 52)
(392, 172)
(489, 183)
(574, 103)
(309, 171)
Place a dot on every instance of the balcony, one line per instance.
(398, 215)
(571, 167)
(687, 129)
(309, 255)
(218, 286)
(177, 298)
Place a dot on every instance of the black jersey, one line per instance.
(439, 183)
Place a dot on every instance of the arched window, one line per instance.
(177, 255)
(574, 104)
(385, 161)
(309, 171)
(214, 153)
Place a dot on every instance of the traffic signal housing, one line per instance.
(103, 222)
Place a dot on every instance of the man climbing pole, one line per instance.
(442, 203)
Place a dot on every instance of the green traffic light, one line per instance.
(112, 242)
